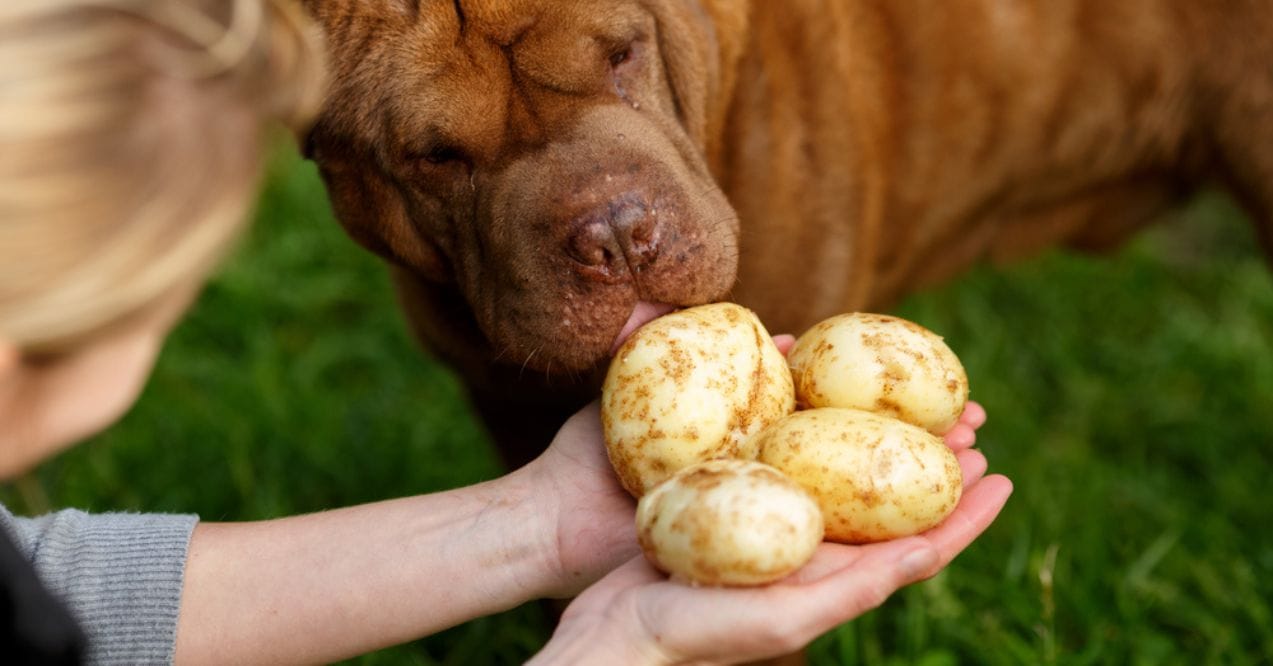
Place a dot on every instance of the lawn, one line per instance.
(1130, 399)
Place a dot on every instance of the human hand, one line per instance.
(963, 435)
(636, 615)
(592, 518)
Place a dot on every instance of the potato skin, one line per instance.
(691, 386)
(729, 522)
(881, 364)
(875, 478)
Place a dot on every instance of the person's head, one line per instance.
(131, 141)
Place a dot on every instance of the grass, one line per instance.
(1130, 400)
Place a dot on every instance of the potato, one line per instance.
(691, 386)
(880, 364)
(729, 522)
(875, 478)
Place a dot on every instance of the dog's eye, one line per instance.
(437, 160)
(442, 155)
(621, 56)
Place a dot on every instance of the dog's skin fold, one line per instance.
(532, 169)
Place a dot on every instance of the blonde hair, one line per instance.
(131, 142)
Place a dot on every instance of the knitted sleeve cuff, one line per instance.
(119, 573)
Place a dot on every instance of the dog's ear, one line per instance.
(701, 42)
(374, 214)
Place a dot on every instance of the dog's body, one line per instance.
(535, 168)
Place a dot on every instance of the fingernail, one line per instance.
(919, 562)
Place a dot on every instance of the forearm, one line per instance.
(325, 586)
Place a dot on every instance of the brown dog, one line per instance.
(534, 169)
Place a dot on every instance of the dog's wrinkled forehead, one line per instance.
(501, 22)
(452, 61)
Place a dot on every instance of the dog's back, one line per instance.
(892, 144)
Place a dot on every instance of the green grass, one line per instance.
(1130, 399)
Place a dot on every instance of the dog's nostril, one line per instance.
(638, 226)
(634, 220)
(594, 244)
(644, 230)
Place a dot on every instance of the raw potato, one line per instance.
(882, 364)
(729, 522)
(875, 478)
(691, 386)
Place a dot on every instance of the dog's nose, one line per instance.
(621, 238)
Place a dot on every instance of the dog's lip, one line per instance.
(643, 313)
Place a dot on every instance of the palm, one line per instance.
(838, 584)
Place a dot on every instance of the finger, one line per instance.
(758, 623)
(974, 415)
(807, 611)
(961, 437)
(587, 419)
(972, 464)
(907, 557)
(979, 506)
(784, 342)
(827, 559)
(580, 439)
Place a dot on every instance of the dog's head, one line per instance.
(545, 157)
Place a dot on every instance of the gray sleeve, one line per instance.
(120, 574)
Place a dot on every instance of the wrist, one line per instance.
(544, 504)
(580, 541)
(530, 555)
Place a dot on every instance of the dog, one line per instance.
(544, 175)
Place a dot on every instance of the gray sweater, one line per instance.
(120, 574)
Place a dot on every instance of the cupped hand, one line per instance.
(592, 518)
(636, 615)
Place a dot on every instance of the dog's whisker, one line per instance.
(526, 363)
